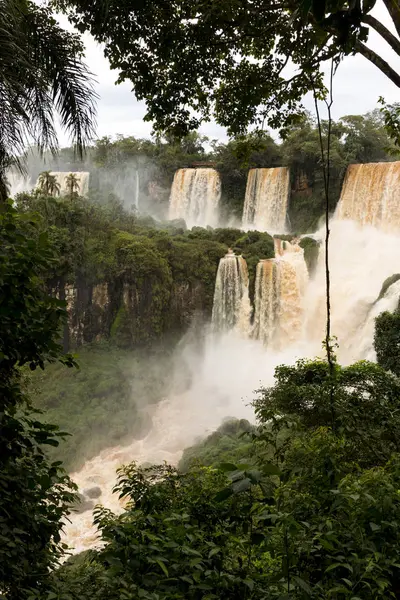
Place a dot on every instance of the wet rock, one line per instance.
(82, 505)
(94, 492)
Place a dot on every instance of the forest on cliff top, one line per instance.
(113, 163)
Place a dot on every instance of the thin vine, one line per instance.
(326, 162)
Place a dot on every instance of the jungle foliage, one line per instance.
(35, 493)
(312, 512)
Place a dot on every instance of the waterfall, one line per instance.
(289, 320)
(266, 301)
(279, 294)
(137, 189)
(231, 307)
(195, 196)
(61, 178)
(18, 183)
(371, 195)
(266, 200)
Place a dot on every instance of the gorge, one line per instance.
(257, 323)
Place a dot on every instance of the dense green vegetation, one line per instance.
(387, 341)
(34, 493)
(164, 52)
(313, 514)
(230, 443)
(306, 503)
(133, 280)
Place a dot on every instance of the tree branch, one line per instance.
(378, 62)
(383, 31)
(394, 12)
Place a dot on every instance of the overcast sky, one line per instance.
(357, 87)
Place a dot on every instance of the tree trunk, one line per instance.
(378, 62)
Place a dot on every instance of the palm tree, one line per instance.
(48, 184)
(41, 72)
(72, 185)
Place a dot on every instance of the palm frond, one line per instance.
(60, 55)
(41, 70)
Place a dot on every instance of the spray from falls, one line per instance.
(231, 307)
(266, 200)
(371, 195)
(195, 196)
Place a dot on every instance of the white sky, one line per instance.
(357, 87)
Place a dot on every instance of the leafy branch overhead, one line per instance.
(240, 62)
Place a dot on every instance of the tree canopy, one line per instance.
(242, 62)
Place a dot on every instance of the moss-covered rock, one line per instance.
(311, 253)
(387, 283)
(228, 443)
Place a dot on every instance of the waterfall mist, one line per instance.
(134, 181)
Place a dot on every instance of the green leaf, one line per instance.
(227, 467)
(223, 494)
(213, 552)
(374, 527)
(333, 566)
(270, 469)
(241, 486)
(249, 583)
(162, 566)
(303, 585)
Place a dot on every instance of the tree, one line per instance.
(34, 494)
(72, 185)
(48, 184)
(193, 60)
(41, 71)
(387, 341)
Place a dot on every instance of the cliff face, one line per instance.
(125, 313)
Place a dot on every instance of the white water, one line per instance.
(224, 377)
(279, 296)
(195, 196)
(371, 195)
(231, 307)
(18, 183)
(266, 200)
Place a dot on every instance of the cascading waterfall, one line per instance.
(61, 179)
(266, 300)
(279, 295)
(195, 196)
(231, 307)
(18, 183)
(266, 200)
(290, 318)
(371, 195)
